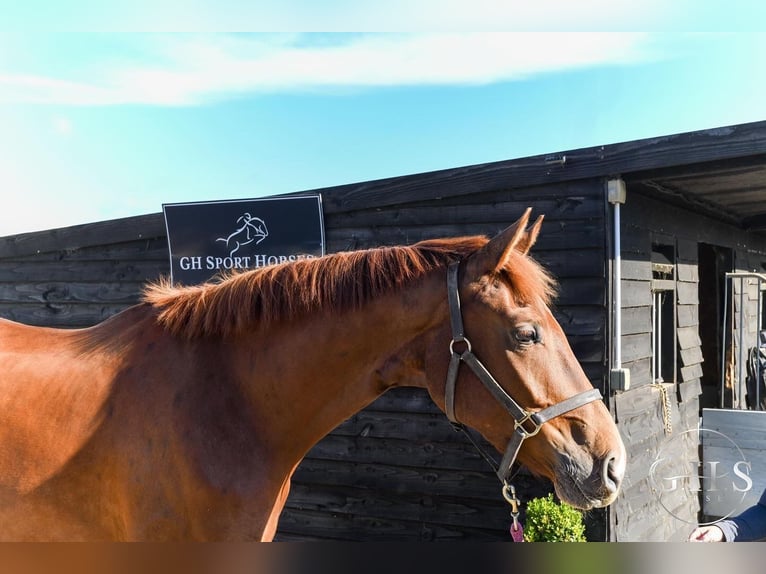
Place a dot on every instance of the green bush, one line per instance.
(550, 521)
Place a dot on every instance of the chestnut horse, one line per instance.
(184, 417)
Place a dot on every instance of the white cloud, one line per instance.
(38, 89)
(189, 70)
(62, 125)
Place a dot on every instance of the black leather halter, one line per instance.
(526, 423)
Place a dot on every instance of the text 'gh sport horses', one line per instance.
(184, 417)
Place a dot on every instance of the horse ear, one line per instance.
(530, 236)
(494, 255)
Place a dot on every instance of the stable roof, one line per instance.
(720, 172)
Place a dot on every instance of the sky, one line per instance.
(114, 122)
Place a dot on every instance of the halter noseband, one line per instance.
(523, 419)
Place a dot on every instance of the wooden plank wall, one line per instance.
(641, 513)
(80, 275)
(397, 470)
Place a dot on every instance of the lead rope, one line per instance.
(517, 529)
(667, 417)
(509, 490)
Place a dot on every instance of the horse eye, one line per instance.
(527, 334)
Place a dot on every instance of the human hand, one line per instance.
(706, 534)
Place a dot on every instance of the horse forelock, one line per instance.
(529, 281)
(336, 282)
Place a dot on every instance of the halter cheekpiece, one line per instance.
(526, 423)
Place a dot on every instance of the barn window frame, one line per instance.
(664, 367)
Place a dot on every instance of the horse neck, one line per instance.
(320, 371)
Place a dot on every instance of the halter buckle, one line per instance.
(518, 425)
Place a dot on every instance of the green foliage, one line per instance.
(550, 521)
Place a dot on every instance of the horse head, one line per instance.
(528, 395)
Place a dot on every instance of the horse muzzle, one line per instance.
(589, 483)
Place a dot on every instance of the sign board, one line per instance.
(208, 238)
(734, 460)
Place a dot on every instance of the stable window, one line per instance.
(664, 347)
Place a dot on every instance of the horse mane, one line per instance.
(335, 282)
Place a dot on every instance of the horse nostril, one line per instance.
(612, 472)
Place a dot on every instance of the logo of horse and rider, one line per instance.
(250, 230)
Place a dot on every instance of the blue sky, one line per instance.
(96, 126)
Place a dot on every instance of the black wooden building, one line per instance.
(694, 208)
